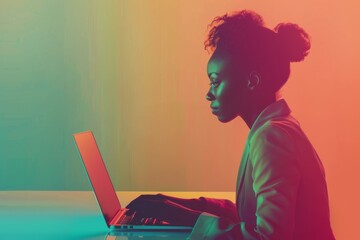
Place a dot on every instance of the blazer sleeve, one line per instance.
(276, 178)
(220, 207)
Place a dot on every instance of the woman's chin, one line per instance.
(224, 119)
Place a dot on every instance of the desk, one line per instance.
(69, 215)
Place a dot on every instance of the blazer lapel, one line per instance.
(279, 108)
(241, 172)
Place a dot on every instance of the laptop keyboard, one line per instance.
(125, 219)
(136, 219)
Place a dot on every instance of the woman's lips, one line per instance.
(215, 110)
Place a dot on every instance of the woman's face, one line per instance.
(228, 93)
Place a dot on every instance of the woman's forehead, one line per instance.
(218, 64)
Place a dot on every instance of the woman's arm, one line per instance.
(219, 207)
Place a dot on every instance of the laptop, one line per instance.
(116, 217)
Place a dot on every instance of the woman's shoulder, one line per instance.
(283, 127)
(274, 141)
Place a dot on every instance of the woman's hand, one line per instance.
(176, 211)
(194, 203)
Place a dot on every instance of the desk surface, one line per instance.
(70, 214)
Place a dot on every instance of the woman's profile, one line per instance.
(281, 188)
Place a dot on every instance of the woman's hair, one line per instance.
(257, 48)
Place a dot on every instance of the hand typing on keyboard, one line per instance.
(136, 219)
(151, 207)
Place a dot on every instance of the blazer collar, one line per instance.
(275, 110)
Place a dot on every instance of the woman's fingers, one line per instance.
(163, 210)
(153, 208)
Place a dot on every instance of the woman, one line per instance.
(281, 187)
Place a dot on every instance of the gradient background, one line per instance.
(134, 72)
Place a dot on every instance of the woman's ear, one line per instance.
(254, 80)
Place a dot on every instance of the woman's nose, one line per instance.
(209, 96)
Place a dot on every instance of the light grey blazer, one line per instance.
(281, 188)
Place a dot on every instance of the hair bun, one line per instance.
(294, 41)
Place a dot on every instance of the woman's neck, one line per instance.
(257, 107)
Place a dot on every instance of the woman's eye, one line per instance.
(215, 84)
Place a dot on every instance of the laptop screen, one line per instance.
(98, 175)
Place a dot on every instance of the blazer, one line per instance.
(281, 191)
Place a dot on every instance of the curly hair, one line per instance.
(257, 48)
